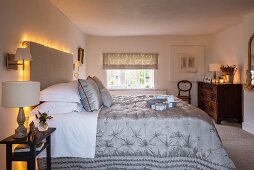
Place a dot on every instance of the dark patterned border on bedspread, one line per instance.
(132, 136)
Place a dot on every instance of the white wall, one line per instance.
(38, 21)
(248, 124)
(96, 45)
(227, 48)
(231, 47)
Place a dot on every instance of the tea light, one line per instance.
(221, 81)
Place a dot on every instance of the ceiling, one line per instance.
(154, 17)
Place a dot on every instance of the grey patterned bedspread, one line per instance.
(133, 136)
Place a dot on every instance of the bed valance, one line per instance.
(130, 61)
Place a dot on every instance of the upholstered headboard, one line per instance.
(49, 66)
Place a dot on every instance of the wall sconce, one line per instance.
(21, 54)
(77, 64)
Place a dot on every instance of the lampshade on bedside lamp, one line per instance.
(214, 68)
(20, 94)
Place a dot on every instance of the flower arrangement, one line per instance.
(43, 117)
(228, 70)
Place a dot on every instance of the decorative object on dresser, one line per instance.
(184, 89)
(20, 94)
(27, 149)
(229, 72)
(221, 101)
(214, 68)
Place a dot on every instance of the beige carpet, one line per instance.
(239, 144)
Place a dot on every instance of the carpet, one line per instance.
(238, 143)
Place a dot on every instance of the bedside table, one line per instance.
(30, 156)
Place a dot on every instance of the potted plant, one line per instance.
(229, 72)
(43, 117)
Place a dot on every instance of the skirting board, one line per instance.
(247, 127)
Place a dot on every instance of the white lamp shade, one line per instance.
(214, 67)
(20, 93)
(23, 54)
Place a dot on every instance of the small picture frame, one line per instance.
(81, 55)
(207, 79)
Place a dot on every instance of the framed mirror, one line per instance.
(250, 71)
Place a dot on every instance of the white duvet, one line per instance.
(75, 134)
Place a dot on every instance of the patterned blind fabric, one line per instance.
(130, 61)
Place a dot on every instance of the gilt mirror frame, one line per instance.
(249, 86)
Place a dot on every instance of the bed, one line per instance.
(129, 135)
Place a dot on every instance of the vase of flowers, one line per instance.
(229, 72)
(43, 117)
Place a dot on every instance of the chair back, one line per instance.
(184, 87)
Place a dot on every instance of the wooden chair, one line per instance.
(184, 89)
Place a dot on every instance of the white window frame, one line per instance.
(123, 81)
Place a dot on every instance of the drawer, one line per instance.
(209, 107)
(208, 96)
(207, 87)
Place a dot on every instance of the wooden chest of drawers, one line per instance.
(221, 101)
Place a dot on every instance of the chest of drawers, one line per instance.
(221, 101)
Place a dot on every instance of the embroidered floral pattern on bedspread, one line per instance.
(132, 136)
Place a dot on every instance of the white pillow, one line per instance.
(63, 92)
(57, 107)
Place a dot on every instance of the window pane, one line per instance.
(130, 79)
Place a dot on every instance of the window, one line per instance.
(130, 79)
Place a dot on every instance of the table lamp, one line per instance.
(20, 94)
(214, 68)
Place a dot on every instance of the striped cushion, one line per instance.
(106, 97)
(90, 95)
(97, 81)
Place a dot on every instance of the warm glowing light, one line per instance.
(26, 76)
(45, 42)
(17, 165)
(21, 73)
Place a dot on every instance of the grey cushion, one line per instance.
(90, 95)
(97, 81)
(106, 97)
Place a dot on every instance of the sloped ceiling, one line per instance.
(154, 17)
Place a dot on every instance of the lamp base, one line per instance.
(21, 131)
(214, 75)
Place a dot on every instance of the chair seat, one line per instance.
(184, 97)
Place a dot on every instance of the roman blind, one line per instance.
(130, 61)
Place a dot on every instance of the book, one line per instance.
(26, 148)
